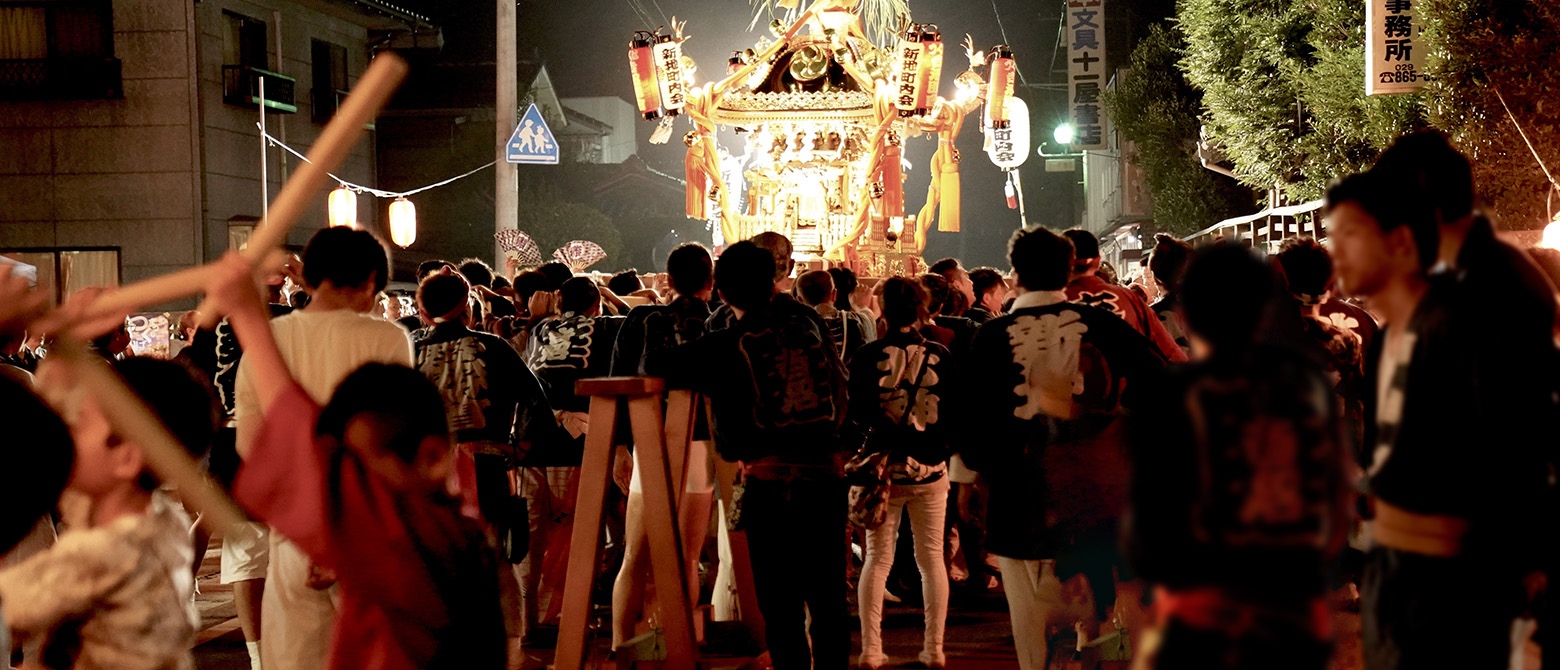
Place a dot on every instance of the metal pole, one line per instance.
(265, 179)
(506, 195)
(281, 121)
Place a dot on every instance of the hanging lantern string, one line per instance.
(374, 191)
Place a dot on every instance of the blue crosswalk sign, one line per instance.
(532, 142)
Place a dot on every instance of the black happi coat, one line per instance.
(1469, 439)
(653, 328)
(1238, 475)
(489, 394)
(883, 375)
(774, 380)
(569, 348)
(1052, 482)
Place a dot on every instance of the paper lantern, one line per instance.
(641, 65)
(342, 207)
(403, 223)
(1000, 88)
(930, 75)
(669, 74)
(1009, 147)
(907, 72)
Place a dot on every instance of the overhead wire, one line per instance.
(1005, 40)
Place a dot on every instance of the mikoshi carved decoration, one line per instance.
(825, 113)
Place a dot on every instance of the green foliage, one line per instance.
(1479, 48)
(1284, 93)
(1156, 109)
(553, 222)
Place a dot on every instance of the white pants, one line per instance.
(928, 507)
(1037, 600)
(295, 617)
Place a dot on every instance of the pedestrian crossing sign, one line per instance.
(533, 142)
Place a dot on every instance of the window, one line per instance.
(245, 59)
(330, 79)
(62, 272)
(57, 49)
(244, 42)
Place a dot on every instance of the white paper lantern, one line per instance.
(403, 223)
(342, 206)
(1008, 147)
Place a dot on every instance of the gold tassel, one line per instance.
(698, 181)
(948, 211)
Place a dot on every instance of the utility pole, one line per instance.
(506, 192)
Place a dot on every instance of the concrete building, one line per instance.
(128, 127)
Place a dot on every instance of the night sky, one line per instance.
(584, 42)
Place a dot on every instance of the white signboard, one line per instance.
(1394, 47)
(1086, 73)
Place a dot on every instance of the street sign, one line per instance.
(532, 142)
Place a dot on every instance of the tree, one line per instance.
(1481, 51)
(553, 222)
(1158, 111)
(1283, 90)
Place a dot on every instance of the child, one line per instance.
(359, 485)
(115, 590)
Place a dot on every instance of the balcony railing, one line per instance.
(241, 86)
(60, 79)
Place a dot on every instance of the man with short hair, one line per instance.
(959, 279)
(1444, 579)
(817, 291)
(779, 398)
(1088, 288)
(959, 330)
(990, 291)
(647, 331)
(1046, 383)
(477, 272)
(344, 269)
(496, 408)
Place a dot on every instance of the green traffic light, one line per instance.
(1063, 134)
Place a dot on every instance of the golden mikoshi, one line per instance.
(824, 112)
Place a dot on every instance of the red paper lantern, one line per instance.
(1000, 89)
(931, 68)
(641, 65)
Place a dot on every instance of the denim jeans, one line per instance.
(796, 536)
(928, 507)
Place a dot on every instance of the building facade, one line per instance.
(130, 127)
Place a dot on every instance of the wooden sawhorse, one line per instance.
(643, 396)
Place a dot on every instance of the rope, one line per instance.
(1525, 140)
(374, 191)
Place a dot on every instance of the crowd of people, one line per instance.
(1204, 463)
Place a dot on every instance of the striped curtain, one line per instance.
(24, 33)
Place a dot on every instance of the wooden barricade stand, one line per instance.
(643, 395)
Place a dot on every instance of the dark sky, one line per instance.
(584, 44)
